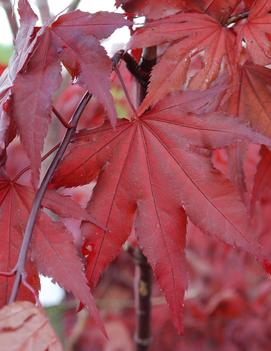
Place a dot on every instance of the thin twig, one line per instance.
(143, 285)
(44, 10)
(8, 7)
(143, 277)
(132, 66)
(20, 265)
(125, 91)
(60, 118)
(73, 5)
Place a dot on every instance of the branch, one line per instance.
(60, 118)
(8, 7)
(73, 5)
(143, 277)
(132, 66)
(143, 286)
(19, 268)
(125, 91)
(44, 10)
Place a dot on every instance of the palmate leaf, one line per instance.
(152, 172)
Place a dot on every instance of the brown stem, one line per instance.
(44, 10)
(40, 194)
(143, 277)
(60, 118)
(131, 65)
(143, 286)
(8, 7)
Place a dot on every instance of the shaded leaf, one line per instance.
(53, 252)
(250, 98)
(25, 327)
(77, 36)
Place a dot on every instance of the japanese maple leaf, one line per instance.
(53, 252)
(255, 32)
(191, 35)
(152, 172)
(249, 97)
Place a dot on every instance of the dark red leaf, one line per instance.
(148, 171)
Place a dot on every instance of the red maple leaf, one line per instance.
(191, 35)
(152, 172)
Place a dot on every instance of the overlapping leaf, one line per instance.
(250, 98)
(52, 253)
(33, 76)
(33, 91)
(22, 48)
(77, 36)
(220, 9)
(191, 36)
(150, 171)
(261, 187)
(255, 33)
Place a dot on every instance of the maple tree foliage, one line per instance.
(181, 159)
